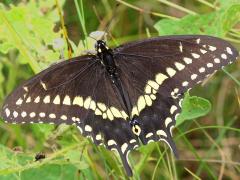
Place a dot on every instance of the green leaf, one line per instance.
(231, 17)
(226, 3)
(5, 47)
(74, 156)
(216, 23)
(193, 107)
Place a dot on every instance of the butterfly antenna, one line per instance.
(110, 22)
(93, 38)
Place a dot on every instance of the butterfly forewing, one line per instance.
(64, 93)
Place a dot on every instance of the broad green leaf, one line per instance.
(217, 23)
(226, 3)
(74, 158)
(231, 17)
(193, 107)
(30, 29)
(5, 47)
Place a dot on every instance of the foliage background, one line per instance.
(31, 38)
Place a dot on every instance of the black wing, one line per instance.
(64, 93)
(159, 70)
(77, 91)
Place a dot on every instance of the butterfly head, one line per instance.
(101, 46)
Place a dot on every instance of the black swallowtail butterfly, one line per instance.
(121, 96)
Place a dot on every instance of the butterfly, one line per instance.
(124, 96)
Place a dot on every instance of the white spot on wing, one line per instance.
(195, 55)
(193, 76)
(179, 66)
(229, 50)
(78, 101)
(102, 106)
(180, 47)
(217, 60)
(149, 135)
(43, 85)
(171, 129)
(132, 141)
(202, 70)
(161, 133)
(198, 41)
(42, 114)
(148, 100)
(23, 114)
(46, 100)
(98, 112)
(168, 120)
(37, 99)
(171, 72)
(224, 56)
(141, 103)
(32, 114)
(87, 103)
(176, 90)
(209, 65)
(63, 117)
(98, 137)
(52, 116)
(152, 96)
(56, 100)
(25, 88)
(187, 60)
(124, 147)
(203, 51)
(148, 89)
(67, 100)
(160, 78)
(15, 114)
(173, 109)
(115, 112)
(135, 111)
(28, 100)
(185, 83)
(111, 142)
(153, 84)
(212, 48)
(19, 101)
(93, 105)
(88, 128)
(7, 112)
(110, 115)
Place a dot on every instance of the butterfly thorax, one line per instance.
(106, 57)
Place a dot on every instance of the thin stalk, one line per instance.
(194, 175)
(232, 77)
(81, 16)
(208, 4)
(65, 34)
(145, 11)
(171, 4)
